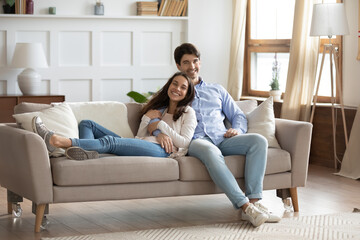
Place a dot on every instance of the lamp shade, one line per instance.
(29, 55)
(329, 19)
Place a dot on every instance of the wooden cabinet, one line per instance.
(8, 102)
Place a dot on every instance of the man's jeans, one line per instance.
(95, 137)
(254, 146)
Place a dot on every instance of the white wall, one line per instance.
(351, 66)
(209, 28)
(210, 23)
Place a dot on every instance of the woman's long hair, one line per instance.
(161, 98)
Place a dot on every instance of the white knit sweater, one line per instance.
(180, 133)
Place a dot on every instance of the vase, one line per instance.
(276, 94)
(99, 9)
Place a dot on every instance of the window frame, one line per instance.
(281, 46)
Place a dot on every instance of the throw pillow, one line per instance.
(109, 114)
(26, 107)
(59, 118)
(246, 106)
(262, 121)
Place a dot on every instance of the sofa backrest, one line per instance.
(110, 114)
(134, 116)
(133, 110)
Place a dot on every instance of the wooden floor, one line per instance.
(325, 193)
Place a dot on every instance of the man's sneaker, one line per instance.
(77, 153)
(40, 128)
(254, 215)
(272, 217)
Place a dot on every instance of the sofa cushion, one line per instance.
(192, 169)
(110, 169)
(110, 114)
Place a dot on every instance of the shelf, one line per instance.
(49, 16)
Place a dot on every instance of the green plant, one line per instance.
(274, 84)
(138, 97)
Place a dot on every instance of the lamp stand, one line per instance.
(29, 82)
(333, 53)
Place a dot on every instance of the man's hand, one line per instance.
(165, 142)
(230, 133)
(152, 127)
(153, 114)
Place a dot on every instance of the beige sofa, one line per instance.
(27, 171)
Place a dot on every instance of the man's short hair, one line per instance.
(185, 48)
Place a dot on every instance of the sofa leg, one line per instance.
(294, 199)
(34, 207)
(40, 209)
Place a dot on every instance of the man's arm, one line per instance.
(233, 113)
(157, 131)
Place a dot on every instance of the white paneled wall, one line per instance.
(94, 58)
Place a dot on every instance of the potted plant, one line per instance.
(138, 97)
(9, 6)
(275, 91)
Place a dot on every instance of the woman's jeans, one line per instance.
(254, 146)
(94, 137)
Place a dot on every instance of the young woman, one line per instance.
(177, 125)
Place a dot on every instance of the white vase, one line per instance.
(29, 82)
(276, 94)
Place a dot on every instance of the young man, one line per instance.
(212, 141)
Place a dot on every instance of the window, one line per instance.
(268, 33)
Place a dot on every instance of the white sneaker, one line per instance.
(272, 217)
(254, 215)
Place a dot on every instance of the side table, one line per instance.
(8, 102)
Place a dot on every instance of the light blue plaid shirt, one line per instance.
(212, 104)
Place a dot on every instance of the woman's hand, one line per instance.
(153, 114)
(230, 133)
(165, 142)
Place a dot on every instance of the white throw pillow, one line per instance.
(247, 105)
(262, 121)
(109, 114)
(59, 119)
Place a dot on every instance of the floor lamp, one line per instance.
(329, 19)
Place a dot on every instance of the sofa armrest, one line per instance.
(295, 137)
(24, 164)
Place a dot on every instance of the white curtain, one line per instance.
(237, 49)
(303, 60)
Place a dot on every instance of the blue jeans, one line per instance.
(94, 137)
(254, 146)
